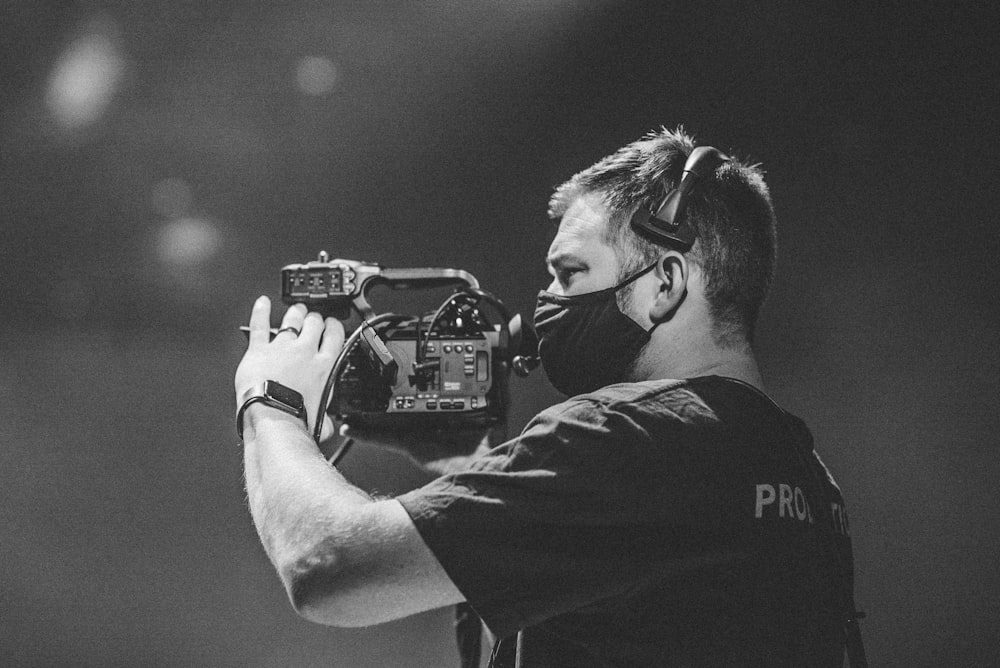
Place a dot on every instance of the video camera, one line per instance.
(443, 369)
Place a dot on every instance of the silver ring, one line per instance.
(289, 329)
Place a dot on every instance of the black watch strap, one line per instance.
(274, 394)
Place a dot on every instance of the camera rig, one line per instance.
(449, 368)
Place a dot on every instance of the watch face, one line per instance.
(285, 395)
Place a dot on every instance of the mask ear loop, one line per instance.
(589, 297)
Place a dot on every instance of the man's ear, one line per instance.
(672, 273)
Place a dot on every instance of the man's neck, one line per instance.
(741, 367)
(692, 361)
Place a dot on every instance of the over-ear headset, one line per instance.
(666, 223)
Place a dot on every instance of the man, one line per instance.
(667, 514)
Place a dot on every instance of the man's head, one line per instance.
(734, 250)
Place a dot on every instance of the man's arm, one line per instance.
(344, 558)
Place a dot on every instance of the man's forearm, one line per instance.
(297, 500)
(344, 558)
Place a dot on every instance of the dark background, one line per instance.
(160, 161)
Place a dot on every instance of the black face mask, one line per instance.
(585, 342)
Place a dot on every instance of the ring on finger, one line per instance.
(289, 329)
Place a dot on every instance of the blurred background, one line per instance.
(160, 161)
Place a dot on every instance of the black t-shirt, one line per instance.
(663, 523)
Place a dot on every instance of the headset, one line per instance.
(666, 223)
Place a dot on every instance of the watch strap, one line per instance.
(274, 394)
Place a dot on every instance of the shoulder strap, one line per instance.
(507, 652)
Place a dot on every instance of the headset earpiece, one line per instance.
(666, 223)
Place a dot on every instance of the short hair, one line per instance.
(732, 214)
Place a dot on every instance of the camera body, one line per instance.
(445, 369)
(461, 380)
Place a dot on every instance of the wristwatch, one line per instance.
(274, 394)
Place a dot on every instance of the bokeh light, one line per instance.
(316, 75)
(188, 242)
(85, 78)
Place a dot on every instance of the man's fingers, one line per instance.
(312, 327)
(333, 338)
(291, 324)
(260, 322)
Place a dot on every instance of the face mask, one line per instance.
(585, 342)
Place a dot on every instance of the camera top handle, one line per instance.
(415, 278)
(333, 287)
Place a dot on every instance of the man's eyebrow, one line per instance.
(563, 258)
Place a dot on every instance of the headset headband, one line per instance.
(666, 224)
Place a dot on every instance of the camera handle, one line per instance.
(409, 279)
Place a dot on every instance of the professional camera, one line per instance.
(446, 368)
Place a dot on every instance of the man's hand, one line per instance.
(300, 356)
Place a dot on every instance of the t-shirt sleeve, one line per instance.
(581, 506)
